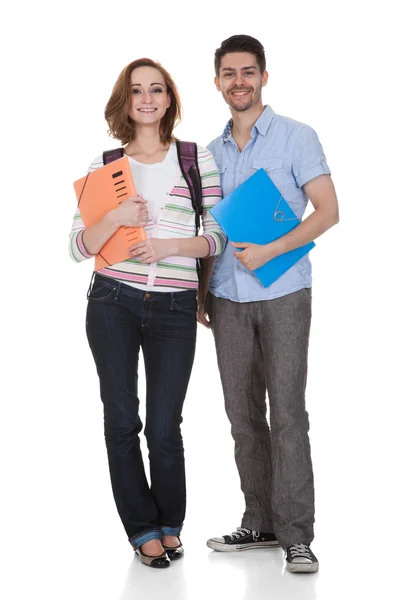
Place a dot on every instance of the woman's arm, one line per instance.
(84, 242)
(212, 241)
(94, 237)
(132, 212)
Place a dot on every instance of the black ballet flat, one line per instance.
(157, 562)
(174, 552)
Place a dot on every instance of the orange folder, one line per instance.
(97, 194)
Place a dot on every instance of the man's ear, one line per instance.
(216, 81)
(264, 79)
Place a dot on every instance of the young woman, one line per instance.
(148, 301)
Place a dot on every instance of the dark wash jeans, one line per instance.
(120, 321)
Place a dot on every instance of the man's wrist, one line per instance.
(273, 249)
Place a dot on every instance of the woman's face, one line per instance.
(150, 99)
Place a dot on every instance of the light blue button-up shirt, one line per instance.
(291, 154)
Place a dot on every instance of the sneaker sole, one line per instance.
(219, 547)
(302, 567)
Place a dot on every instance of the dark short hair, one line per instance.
(240, 43)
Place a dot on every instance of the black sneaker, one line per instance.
(243, 539)
(300, 559)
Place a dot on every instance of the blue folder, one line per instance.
(256, 212)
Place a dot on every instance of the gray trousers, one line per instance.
(263, 346)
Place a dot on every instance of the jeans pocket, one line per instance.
(100, 292)
(186, 305)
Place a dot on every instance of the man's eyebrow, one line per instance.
(242, 68)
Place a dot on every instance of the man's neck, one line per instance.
(243, 123)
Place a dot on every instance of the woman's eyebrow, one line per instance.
(140, 85)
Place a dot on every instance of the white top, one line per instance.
(154, 183)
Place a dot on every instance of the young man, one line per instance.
(262, 334)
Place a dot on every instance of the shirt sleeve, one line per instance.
(308, 157)
(211, 195)
(77, 250)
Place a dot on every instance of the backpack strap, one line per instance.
(187, 157)
(111, 155)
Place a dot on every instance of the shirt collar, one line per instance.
(262, 124)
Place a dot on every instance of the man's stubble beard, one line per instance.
(252, 102)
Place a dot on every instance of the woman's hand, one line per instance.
(132, 212)
(152, 250)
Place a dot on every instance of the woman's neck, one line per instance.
(146, 143)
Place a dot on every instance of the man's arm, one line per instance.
(322, 195)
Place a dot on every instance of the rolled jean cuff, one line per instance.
(174, 531)
(141, 538)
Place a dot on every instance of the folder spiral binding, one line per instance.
(99, 192)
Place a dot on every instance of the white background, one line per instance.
(332, 65)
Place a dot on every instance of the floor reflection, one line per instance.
(252, 575)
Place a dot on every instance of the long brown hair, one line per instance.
(116, 113)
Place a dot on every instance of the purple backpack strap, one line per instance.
(187, 157)
(111, 155)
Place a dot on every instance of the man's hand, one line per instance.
(202, 316)
(254, 256)
(152, 250)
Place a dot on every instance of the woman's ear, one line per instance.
(169, 101)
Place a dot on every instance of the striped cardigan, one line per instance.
(176, 219)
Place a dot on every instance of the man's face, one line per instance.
(240, 80)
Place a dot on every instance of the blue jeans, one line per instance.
(120, 321)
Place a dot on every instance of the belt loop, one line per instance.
(171, 304)
(118, 289)
(90, 285)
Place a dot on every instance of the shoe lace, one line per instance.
(300, 551)
(240, 532)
